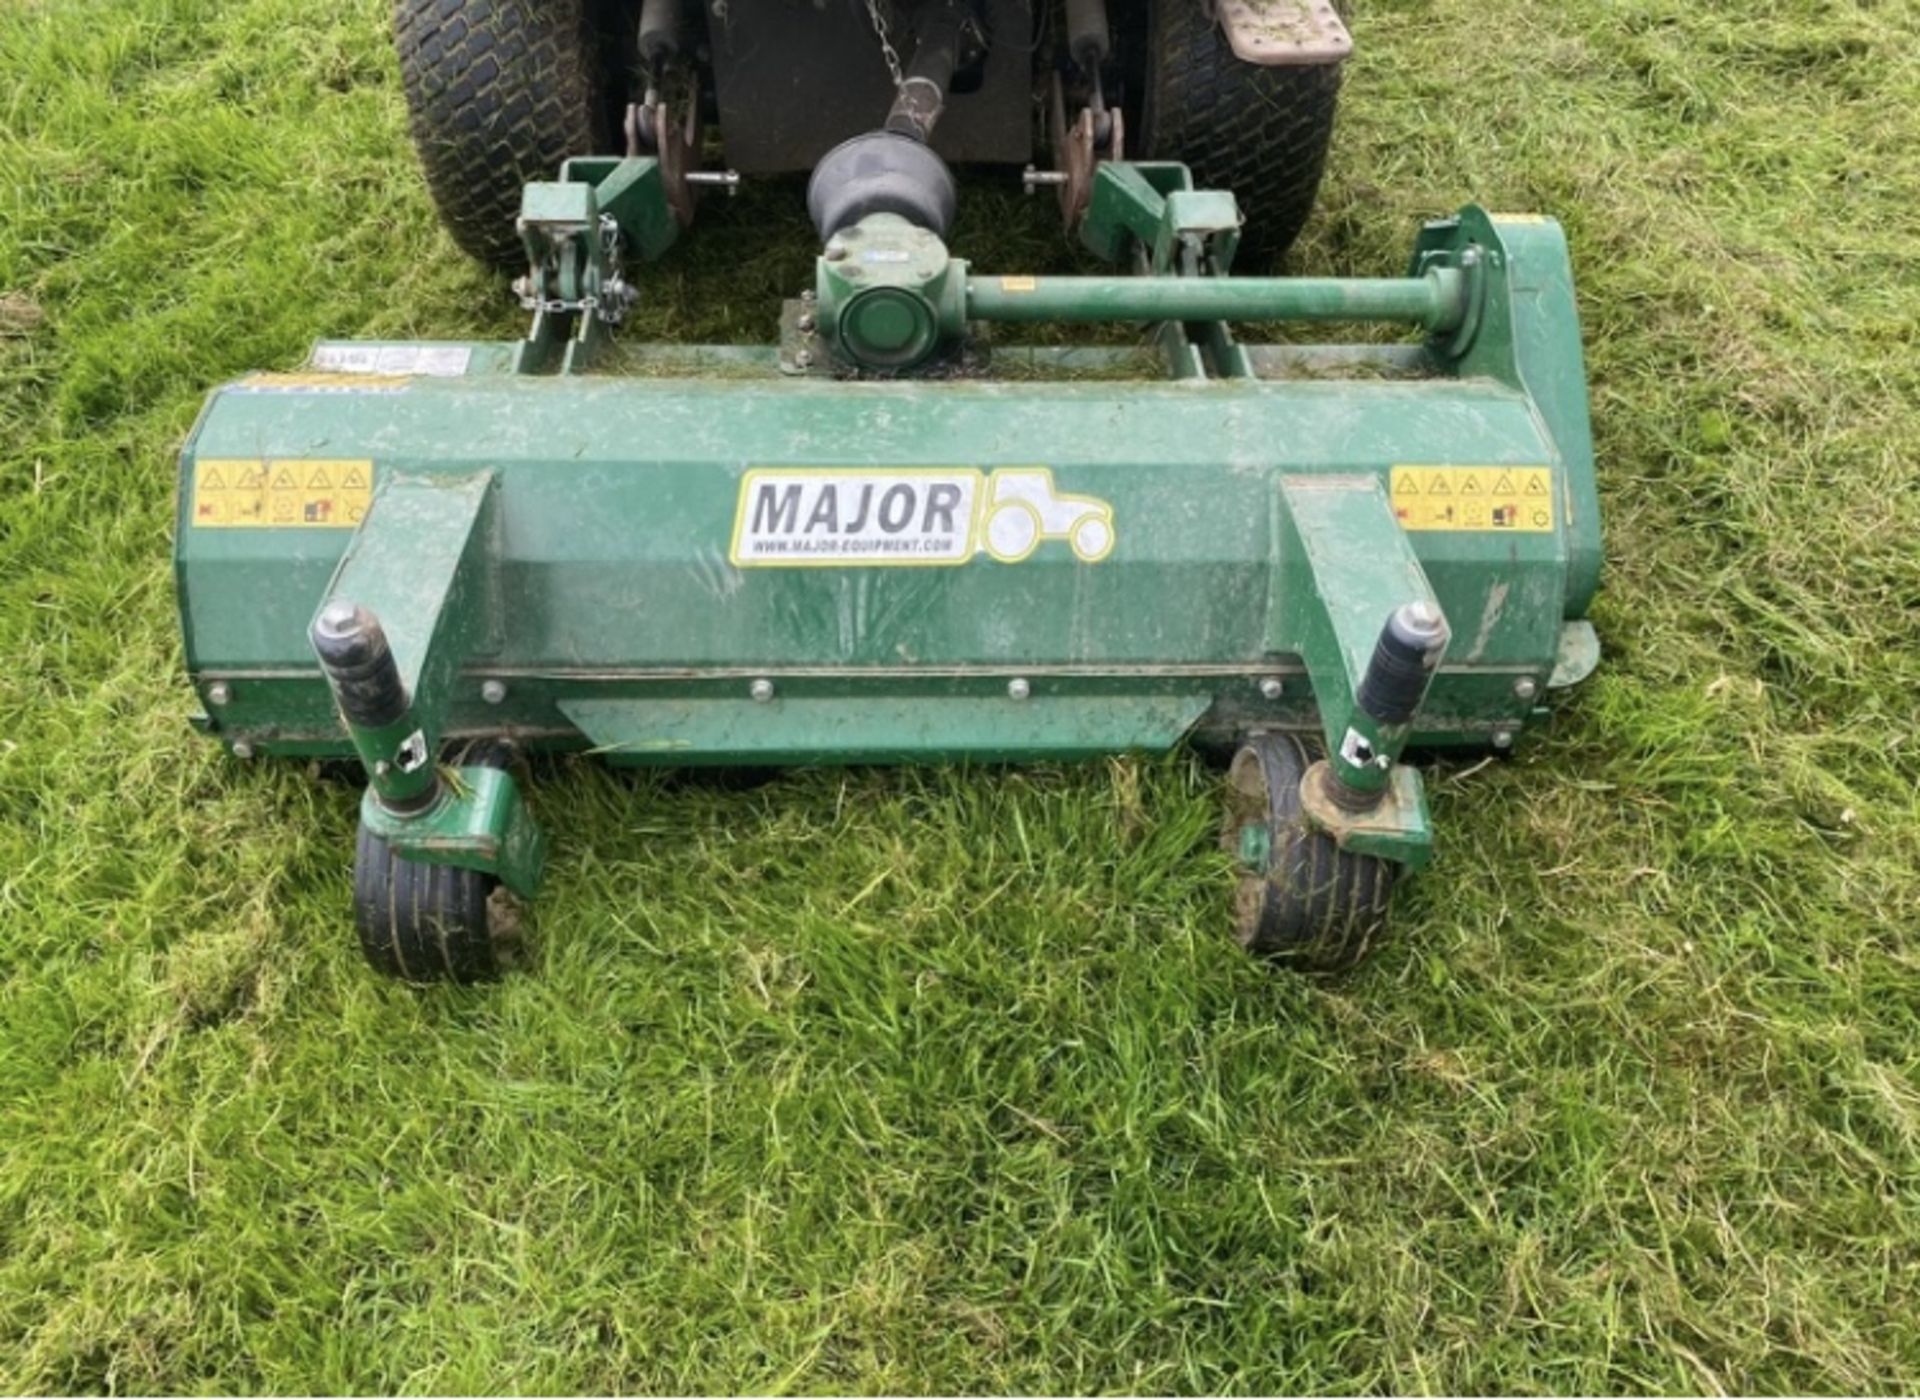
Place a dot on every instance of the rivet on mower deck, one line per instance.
(1272, 687)
(1018, 689)
(1526, 688)
(219, 693)
(761, 690)
(493, 692)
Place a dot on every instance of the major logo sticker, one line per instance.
(280, 493)
(1517, 500)
(898, 516)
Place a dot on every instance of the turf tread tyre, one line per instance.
(499, 92)
(1261, 132)
(1313, 906)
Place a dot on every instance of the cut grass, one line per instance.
(950, 1080)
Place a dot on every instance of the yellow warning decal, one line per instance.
(321, 382)
(1019, 284)
(1516, 499)
(256, 493)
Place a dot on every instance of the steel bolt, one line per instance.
(219, 693)
(1424, 616)
(1018, 689)
(1503, 739)
(1272, 688)
(807, 323)
(493, 692)
(761, 690)
(242, 749)
(807, 297)
(1526, 688)
(804, 359)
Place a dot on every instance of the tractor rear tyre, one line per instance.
(1306, 904)
(499, 92)
(1261, 132)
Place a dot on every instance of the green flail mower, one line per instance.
(891, 538)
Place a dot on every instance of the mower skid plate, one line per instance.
(885, 729)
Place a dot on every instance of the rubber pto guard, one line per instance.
(881, 172)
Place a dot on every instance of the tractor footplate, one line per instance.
(1285, 33)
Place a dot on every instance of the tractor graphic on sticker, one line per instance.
(1022, 510)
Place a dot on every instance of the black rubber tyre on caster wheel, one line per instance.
(421, 922)
(1312, 906)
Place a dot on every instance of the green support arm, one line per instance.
(408, 604)
(1351, 599)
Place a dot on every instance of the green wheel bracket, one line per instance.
(478, 820)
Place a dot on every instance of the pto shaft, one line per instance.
(1437, 301)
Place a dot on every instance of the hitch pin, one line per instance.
(729, 180)
(1032, 179)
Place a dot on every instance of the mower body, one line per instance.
(888, 557)
(893, 537)
(653, 546)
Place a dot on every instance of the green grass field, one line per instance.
(947, 1080)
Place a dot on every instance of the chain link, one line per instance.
(887, 50)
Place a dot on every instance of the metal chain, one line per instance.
(887, 50)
